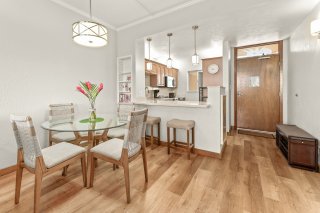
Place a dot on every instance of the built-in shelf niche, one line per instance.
(124, 79)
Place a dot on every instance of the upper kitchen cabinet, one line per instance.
(154, 68)
(159, 72)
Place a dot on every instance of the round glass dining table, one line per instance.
(78, 124)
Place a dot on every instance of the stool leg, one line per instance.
(159, 141)
(188, 142)
(151, 136)
(168, 139)
(193, 140)
(175, 136)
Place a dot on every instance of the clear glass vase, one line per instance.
(93, 115)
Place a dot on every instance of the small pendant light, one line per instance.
(149, 63)
(169, 61)
(195, 57)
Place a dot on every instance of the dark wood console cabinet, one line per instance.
(299, 147)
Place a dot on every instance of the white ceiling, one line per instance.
(118, 14)
(121, 14)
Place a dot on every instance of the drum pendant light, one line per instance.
(90, 33)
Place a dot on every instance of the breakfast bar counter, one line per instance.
(172, 103)
(208, 116)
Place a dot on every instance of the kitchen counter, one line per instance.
(208, 117)
(169, 103)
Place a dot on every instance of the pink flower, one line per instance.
(81, 90)
(88, 85)
(100, 87)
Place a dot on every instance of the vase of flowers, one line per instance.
(91, 91)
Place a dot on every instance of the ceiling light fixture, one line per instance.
(89, 33)
(195, 57)
(149, 63)
(315, 28)
(169, 61)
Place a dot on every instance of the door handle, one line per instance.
(239, 93)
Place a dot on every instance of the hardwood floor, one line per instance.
(253, 176)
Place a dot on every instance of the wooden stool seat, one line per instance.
(181, 124)
(154, 121)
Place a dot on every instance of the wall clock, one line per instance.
(213, 69)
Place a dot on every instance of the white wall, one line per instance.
(40, 64)
(226, 80)
(304, 76)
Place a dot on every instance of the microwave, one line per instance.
(169, 82)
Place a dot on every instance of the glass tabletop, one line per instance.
(82, 124)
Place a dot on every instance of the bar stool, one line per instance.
(154, 121)
(181, 124)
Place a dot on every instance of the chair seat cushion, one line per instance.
(113, 148)
(64, 136)
(53, 155)
(116, 132)
(153, 120)
(181, 124)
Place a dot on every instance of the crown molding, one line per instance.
(80, 12)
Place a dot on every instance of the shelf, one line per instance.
(125, 73)
(124, 92)
(124, 81)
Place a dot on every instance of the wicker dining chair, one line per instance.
(41, 162)
(123, 113)
(62, 113)
(121, 152)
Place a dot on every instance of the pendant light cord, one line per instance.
(169, 47)
(90, 11)
(149, 49)
(195, 42)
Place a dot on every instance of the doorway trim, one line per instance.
(235, 89)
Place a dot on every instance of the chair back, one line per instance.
(26, 139)
(135, 130)
(124, 111)
(61, 113)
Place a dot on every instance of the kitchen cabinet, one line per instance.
(160, 76)
(175, 76)
(154, 68)
(158, 73)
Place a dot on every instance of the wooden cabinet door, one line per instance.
(162, 74)
(166, 71)
(159, 71)
(175, 76)
(170, 72)
(154, 69)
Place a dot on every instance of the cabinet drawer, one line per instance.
(302, 152)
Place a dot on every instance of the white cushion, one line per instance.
(53, 155)
(64, 136)
(113, 148)
(116, 132)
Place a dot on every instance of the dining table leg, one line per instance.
(90, 145)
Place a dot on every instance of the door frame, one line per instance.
(235, 89)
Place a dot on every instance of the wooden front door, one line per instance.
(258, 93)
